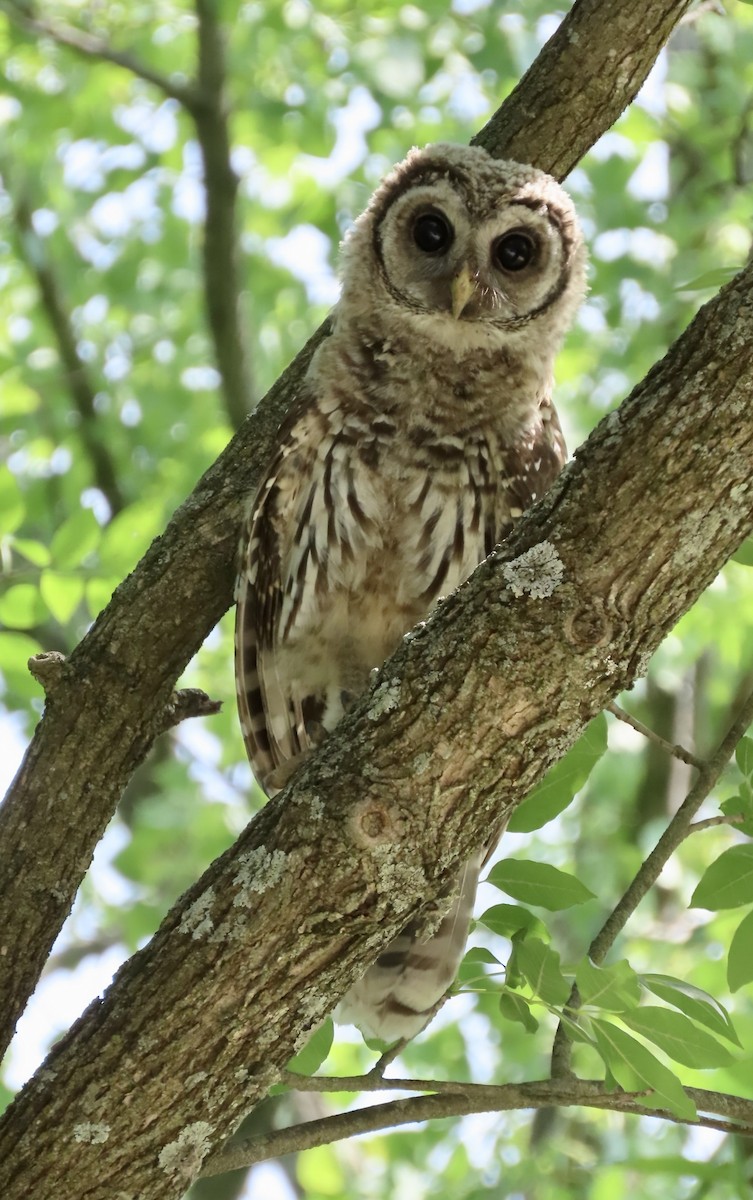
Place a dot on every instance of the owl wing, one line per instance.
(279, 566)
(533, 464)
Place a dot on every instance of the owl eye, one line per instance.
(514, 251)
(432, 233)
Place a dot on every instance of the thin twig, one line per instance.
(731, 1114)
(389, 1056)
(74, 370)
(373, 1083)
(672, 748)
(90, 46)
(675, 833)
(711, 822)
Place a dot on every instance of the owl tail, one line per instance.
(400, 993)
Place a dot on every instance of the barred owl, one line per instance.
(424, 427)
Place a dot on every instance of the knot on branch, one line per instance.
(588, 627)
(48, 668)
(374, 824)
(185, 703)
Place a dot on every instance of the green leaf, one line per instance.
(635, 1068)
(310, 1058)
(21, 607)
(678, 1037)
(509, 919)
(15, 651)
(740, 958)
(320, 1174)
(514, 1008)
(564, 779)
(471, 974)
(34, 552)
(710, 280)
(740, 805)
(76, 537)
(127, 536)
(744, 553)
(693, 1001)
(18, 398)
(12, 507)
(538, 883)
(615, 988)
(62, 594)
(744, 755)
(540, 965)
(728, 882)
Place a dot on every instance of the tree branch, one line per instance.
(91, 47)
(676, 751)
(222, 290)
(549, 108)
(35, 255)
(455, 1100)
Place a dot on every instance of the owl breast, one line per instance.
(412, 523)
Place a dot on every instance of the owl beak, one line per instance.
(461, 289)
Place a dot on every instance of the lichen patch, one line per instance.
(197, 920)
(258, 871)
(91, 1132)
(185, 1155)
(536, 573)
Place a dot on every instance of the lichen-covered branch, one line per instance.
(482, 700)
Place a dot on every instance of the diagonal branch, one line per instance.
(549, 107)
(92, 47)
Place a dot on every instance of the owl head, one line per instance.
(468, 249)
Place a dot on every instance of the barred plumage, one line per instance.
(424, 428)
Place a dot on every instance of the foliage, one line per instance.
(102, 194)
